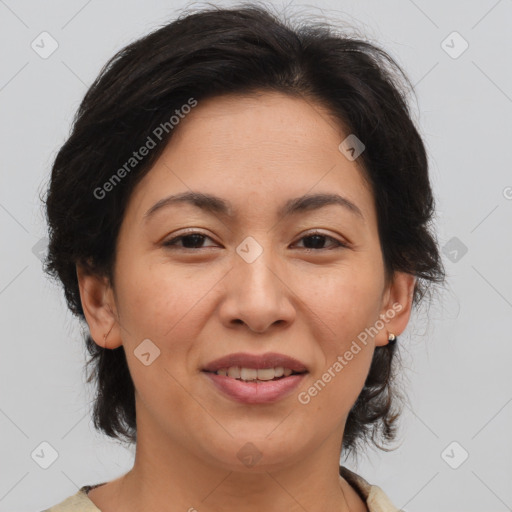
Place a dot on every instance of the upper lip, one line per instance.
(256, 361)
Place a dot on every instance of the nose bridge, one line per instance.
(253, 267)
(258, 296)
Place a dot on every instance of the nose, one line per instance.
(258, 294)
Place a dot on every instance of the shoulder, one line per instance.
(374, 497)
(78, 502)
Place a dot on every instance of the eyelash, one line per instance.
(172, 242)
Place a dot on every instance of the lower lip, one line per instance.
(256, 392)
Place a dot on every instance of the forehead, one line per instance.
(262, 120)
(255, 151)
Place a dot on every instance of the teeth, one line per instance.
(249, 374)
(234, 372)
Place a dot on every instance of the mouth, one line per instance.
(256, 375)
(256, 378)
(252, 367)
(249, 389)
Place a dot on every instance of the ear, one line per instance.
(98, 303)
(396, 306)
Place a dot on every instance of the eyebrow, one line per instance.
(218, 206)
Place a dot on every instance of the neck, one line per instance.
(168, 476)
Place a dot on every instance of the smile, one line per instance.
(251, 374)
(255, 391)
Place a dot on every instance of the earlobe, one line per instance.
(397, 308)
(96, 297)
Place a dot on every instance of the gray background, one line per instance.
(457, 353)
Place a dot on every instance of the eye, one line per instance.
(189, 240)
(316, 239)
(194, 240)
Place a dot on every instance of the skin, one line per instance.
(202, 303)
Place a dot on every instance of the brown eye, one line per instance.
(317, 241)
(194, 240)
(188, 241)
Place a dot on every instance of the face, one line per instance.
(254, 279)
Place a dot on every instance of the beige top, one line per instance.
(374, 497)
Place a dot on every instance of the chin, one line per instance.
(258, 454)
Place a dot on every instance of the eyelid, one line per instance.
(340, 243)
(194, 231)
(187, 232)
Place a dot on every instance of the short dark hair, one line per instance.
(218, 51)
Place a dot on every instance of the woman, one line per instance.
(241, 215)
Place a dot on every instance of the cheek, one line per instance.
(162, 304)
(168, 306)
(348, 305)
(337, 383)
(159, 300)
(347, 299)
